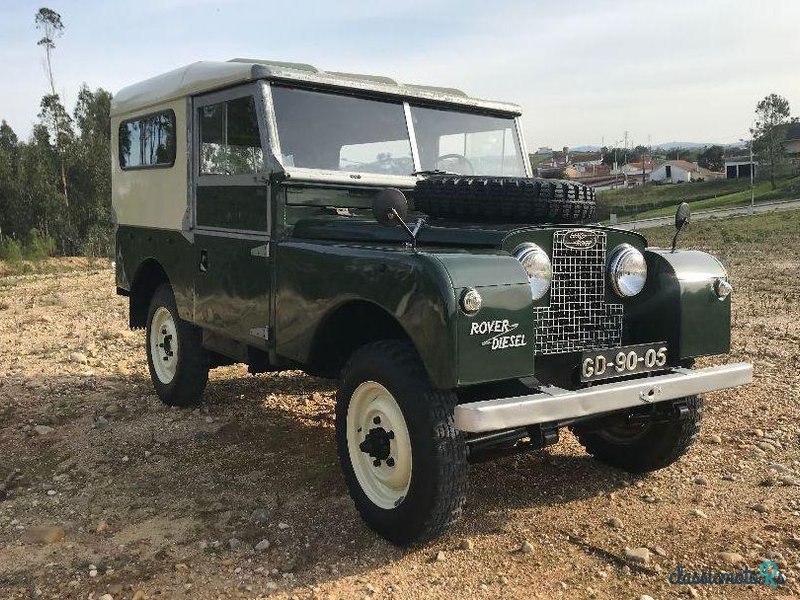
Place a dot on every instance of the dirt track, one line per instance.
(171, 504)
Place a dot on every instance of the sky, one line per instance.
(584, 72)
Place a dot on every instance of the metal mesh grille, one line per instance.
(578, 317)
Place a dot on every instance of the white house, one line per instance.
(681, 171)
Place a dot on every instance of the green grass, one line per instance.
(733, 236)
(657, 201)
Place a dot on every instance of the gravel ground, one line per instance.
(109, 495)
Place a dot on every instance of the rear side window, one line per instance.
(147, 141)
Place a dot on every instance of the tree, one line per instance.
(711, 158)
(772, 113)
(90, 175)
(49, 21)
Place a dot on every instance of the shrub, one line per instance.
(38, 246)
(11, 251)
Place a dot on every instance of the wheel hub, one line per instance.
(378, 445)
(166, 344)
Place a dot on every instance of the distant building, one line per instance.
(636, 168)
(737, 167)
(792, 140)
(681, 171)
(544, 150)
(792, 145)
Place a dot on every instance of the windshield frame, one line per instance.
(360, 178)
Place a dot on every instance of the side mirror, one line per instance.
(682, 216)
(390, 207)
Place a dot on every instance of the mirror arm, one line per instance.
(411, 232)
(403, 224)
(677, 233)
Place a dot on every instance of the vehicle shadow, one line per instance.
(256, 462)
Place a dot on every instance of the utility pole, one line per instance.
(752, 188)
(626, 145)
(752, 176)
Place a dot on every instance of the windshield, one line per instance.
(335, 132)
(467, 143)
(341, 133)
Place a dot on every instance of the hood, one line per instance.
(433, 234)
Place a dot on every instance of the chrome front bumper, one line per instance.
(556, 404)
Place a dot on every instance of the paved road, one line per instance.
(738, 211)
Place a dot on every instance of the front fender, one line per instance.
(421, 291)
(679, 305)
(314, 278)
(496, 343)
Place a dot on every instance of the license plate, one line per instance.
(608, 363)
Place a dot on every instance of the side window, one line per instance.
(147, 141)
(229, 140)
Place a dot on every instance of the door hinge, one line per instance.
(260, 332)
(262, 251)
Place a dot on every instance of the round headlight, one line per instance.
(538, 267)
(627, 270)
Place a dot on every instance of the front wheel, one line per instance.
(643, 446)
(175, 355)
(403, 460)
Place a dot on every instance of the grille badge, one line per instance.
(580, 239)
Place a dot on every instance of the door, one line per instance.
(231, 216)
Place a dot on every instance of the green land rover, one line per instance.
(392, 236)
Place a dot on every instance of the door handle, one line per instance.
(203, 261)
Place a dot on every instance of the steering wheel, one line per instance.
(459, 158)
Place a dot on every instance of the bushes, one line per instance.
(11, 251)
(36, 247)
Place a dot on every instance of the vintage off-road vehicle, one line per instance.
(392, 236)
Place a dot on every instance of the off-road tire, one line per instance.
(504, 199)
(191, 374)
(438, 483)
(658, 446)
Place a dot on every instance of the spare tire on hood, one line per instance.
(504, 199)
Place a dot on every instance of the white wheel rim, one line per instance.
(374, 411)
(164, 345)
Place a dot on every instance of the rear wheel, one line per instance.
(642, 446)
(175, 355)
(403, 460)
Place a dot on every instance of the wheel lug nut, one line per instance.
(376, 463)
(376, 420)
(390, 462)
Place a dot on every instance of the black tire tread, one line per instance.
(664, 444)
(504, 199)
(448, 443)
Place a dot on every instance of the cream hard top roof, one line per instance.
(205, 76)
